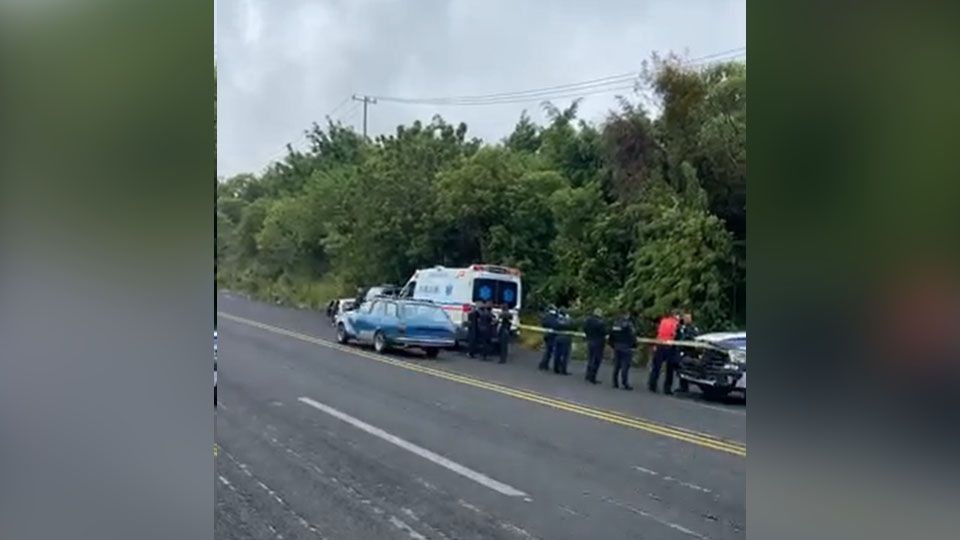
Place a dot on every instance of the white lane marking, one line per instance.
(687, 484)
(226, 483)
(283, 504)
(507, 526)
(398, 523)
(426, 484)
(466, 472)
(659, 520)
(677, 481)
(469, 506)
(646, 471)
(416, 519)
(510, 527)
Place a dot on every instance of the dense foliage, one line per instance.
(637, 214)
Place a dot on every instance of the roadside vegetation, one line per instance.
(642, 212)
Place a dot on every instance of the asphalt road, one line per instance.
(320, 441)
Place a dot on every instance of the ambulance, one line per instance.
(458, 290)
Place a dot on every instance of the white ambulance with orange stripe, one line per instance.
(458, 290)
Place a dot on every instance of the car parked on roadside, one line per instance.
(394, 323)
(339, 307)
(718, 370)
(380, 290)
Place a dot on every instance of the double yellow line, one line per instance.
(700, 439)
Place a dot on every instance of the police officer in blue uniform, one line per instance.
(596, 332)
(564, 342)
(472, 334)
(549, 322)
(485, 328)
(503, 333)
(623, 339)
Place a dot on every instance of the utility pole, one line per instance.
(366, 100)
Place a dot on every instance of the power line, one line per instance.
(525, 98)
(612, 79)
(339, 105)
(584, 89)
(706, 63)
(578, 89)
(737, 52)
(349, 114)
(520, 99)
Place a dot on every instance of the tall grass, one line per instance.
(287, 290)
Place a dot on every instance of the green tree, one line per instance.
(591, 248)
(681, 259)
(249, 226)
(525, 136)
(721, 152)
(631, 150)
(704, 122)
(494, 208)
(572, 148)
(391, 230)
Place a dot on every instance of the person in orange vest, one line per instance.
(662, 354)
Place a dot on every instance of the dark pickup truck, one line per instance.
(718, 370)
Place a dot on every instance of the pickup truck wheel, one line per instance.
(432, 352)
(379, 343)
(342, 337)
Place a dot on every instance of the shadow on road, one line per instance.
(735, 400)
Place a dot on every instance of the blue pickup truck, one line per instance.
(394, 323)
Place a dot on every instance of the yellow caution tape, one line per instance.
(649, 341)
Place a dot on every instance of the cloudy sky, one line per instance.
(283, 64)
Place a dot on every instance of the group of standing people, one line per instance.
(489, 334)
(622, 338)
(483, 325)
(678, 326)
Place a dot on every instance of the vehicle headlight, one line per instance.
(738, 356)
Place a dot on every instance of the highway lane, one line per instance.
(316, 442)
(691, 410)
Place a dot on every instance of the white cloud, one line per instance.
(252, 22)
(285, 64)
